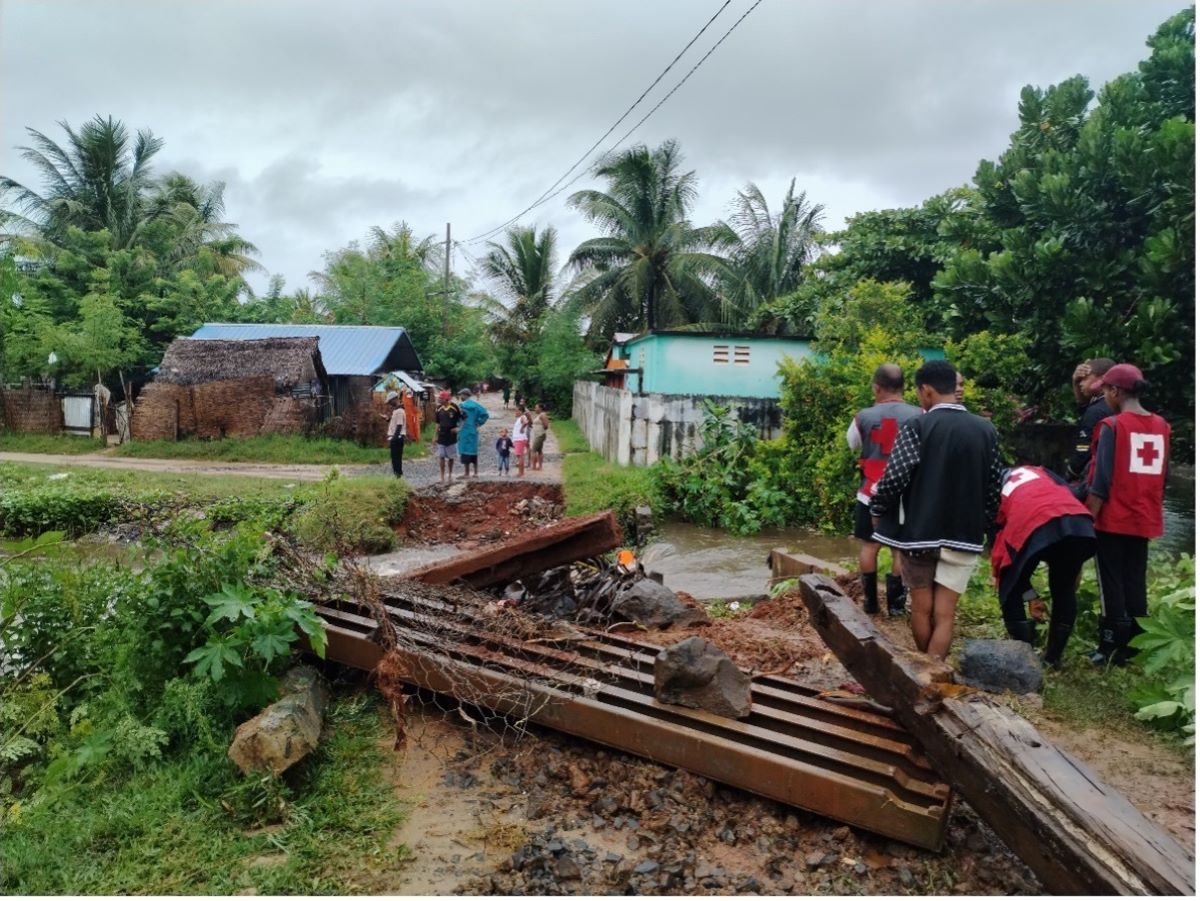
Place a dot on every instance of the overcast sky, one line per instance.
(324, 119)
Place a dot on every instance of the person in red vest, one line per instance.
(1126, 481)
(872, 434)
(1040, 521)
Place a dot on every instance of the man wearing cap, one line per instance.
(473, 416)
(445, 444)
(935, 502)
(872, 434)
(1086, 385)
(1125, 486)
(397, 430)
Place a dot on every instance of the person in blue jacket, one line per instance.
(473, 416)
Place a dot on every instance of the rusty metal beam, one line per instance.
(850, 765)
(564, 542)
(1080, 836)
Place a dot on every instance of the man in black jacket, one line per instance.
(937, 497)
(1093, 408)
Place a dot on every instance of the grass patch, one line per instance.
(570, 437)
(163, 830)
(354, 513)
(285, 449)
(591, 485)
(32, 443)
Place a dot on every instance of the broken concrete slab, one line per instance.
(785, 565)
(696, 673)
(652, 604)
(285, 731)
(1000, 665)
(566, 541)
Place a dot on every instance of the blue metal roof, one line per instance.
(345, 349)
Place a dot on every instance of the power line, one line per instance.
(678, 85)
(547, 193)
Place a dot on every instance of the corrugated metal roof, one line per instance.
(345, 349)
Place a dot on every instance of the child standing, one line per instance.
(504, 446)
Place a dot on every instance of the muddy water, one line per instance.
(1179, 514)
(710, 564)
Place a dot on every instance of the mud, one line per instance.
(471, 513)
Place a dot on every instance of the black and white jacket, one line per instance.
(942, 484)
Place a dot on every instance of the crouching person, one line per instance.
(1040, 521)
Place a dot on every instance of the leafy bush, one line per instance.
(66, 507)
(590, 485)
(1167, 651)
(353, 515)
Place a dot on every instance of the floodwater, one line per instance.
(710, 564)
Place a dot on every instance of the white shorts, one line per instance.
(955, 568)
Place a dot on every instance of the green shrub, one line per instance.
(353, 515)
(592, 485)
(1167, 650)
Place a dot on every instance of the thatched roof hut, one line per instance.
(290, 361)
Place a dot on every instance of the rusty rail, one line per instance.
(852, 765)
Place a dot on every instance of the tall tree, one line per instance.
(523, 270)
(186, 229)
(650, 268)
(98, 181)
(767, 252)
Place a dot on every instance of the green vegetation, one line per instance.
(591, 485)
(31, 443)
(166, 829)
(337, 514)
(1156, 687)
(285, 449)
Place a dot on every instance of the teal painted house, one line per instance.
(700, 363)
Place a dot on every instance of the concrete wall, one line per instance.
(640, 429)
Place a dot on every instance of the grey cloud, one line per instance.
(329, 118)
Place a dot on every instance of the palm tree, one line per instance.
(649, 270)
(523, 269)
(97, 181)
(196, 237)
(767, 253)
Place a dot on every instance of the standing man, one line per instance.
(937, 497)
(1090, 394)
(872, 434)
(397, 430)
(473, 416)
(1125, 485)
(445, 444)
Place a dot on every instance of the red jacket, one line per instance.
(1134, 505)
(1030, 499)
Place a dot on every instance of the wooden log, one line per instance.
(285, 731)
(1077, 834)
(563, 542)
(786, 565)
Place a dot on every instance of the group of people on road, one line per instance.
(934, 488)
(457, 437)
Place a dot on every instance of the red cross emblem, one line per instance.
(1147, 453)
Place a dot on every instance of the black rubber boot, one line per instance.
(1108, 643)
(1056, 643)
(1020, 629)
(1125, 630)
(895, 595)
(870, 584)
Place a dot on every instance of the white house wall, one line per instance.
(640, 429)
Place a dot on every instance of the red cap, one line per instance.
(1123, 375)
(444, 396)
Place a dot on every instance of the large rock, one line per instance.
(287, 730)
(654, 605)
(1000, 665)
(697, 673)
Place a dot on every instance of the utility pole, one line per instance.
(446, 287)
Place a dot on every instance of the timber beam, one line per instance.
(1080, 836)
(564, 542)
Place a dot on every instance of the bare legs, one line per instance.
(933, 619)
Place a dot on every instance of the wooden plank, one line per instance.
(564, 542)
(1077, 834)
